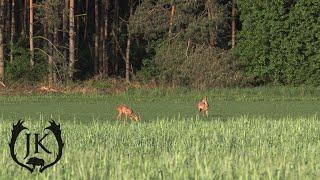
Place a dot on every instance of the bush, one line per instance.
(280, 41)
(20, 69)
(202, 67)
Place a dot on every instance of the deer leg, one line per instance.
(126, 118)
(118, 116)
(204, 112)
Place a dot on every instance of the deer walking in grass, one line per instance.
(203, 106)
(124, 110)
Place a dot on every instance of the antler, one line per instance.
(55, 129)
(17, 129)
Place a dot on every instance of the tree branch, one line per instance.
(44, 52)
(118, 44)
(41, 37)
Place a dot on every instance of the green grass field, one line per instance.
(268, 133)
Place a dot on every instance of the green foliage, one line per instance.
(20, 69)
(149, 21)
(279, 41)
(149, 70)
(170, 59)
(49, 13)
(198, 66)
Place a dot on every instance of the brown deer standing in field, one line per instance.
(124, 110)
(203, 106)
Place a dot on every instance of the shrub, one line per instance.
(20, 69)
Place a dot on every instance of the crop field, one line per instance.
(261, 133)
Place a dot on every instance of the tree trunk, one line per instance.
(49, 48)
(86, 20)
(96, 36)
(173, 9)
(24, 17)
(7, 20)
(12, 30)
(233, 24)
(101, 48)
(101, 39)
(105, 40)
(64, 36)
(50, 63)
(31, 33)
(55, 54)
(117, 50)
(71, 41)
(128, 59)
(76, 11)
(1, 40)
(116, 13)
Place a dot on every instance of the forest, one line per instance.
(192, 43)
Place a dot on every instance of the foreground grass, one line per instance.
(249, 134)
(183, 148)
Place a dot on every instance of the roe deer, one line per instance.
(203, 106)
(126, 111)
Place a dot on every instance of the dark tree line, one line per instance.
(199, 43)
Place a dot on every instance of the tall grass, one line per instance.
(178, 148)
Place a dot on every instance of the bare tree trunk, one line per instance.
(7, 20)
(116, 13)
(50, 63)
(31, 33)
(49, 48)
(105, 40)
(64, 35)
(1, 40)
(55, 54)
(76, 11)
(23, 17)
(233, 24)
(128, 59)
(86, 20)
(118, 49)
(187, 50)
(96, 36)
(71, 41)
(101, 48)
(12, 30)
(101, 39)
(128, 47)
(173, 9)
